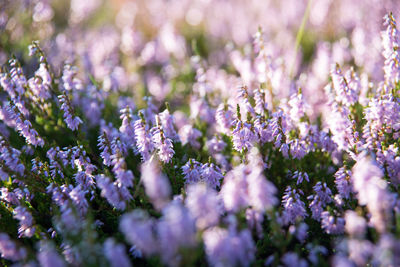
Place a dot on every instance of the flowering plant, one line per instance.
(180, 141)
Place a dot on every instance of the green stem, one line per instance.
(300, 34)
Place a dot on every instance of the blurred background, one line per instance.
(148, 45)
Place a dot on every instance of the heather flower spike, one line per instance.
(167, 123)
(127, 127)
(143, 138)
(70, 119)
(162, 143)
(124, 177)
(390, 43)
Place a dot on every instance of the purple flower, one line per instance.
(167, 124)
(71, 254)
(143, 139)
(203, 204)
(135, 252)
(323, 192)
(69, 81)
(189, 135)
(150, 112)
(372, 191)
(294, 207)
(84, 178)
(125, 102)
(260, 104)
(69, 118)
(215, 145)
(115, 193)
(390, 43)
(297, 148)
(105, 147)
(17, 76)
(276, 129)
(211, 175)
(24, 126)
(243, 136)
(383, 116)
(115, 254)
(285, 152)
(234, 190)
(48, 256)
(360, 251)
(25, 219)
(322, 197)
(316, 207)
(9, 249)
(192, 171)
(340, 125)
(386, 252)
(331, 224)
(156, 184)
(244, 103)
(157, 86)
(69, 220)
(80, 161)
(224, 118)
(292, 259)
(60, 195)
(9, 86)
(127, 128)
(300, 176)
(40, 84)
(228, 248)
(344, 94)
(9, 156)
(391, 159)
(77, 196)
(163, 144)
(261, 192)
(200, 109)
(123, 175)
(298, 107)
(342, 181)
(355, 225)
(9, 197)
(175, 229)
(56, 159)
(139, 230)
(42, 12)
(93, 100)
(262, 129)
(301, 232)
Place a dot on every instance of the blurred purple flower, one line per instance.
(139, 230)
(225, 248)
(203, 204)
(189, 135)
(10, 250)
(48, 256)
(156, 184)
(115, 254)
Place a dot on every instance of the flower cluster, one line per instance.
(153, 138)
